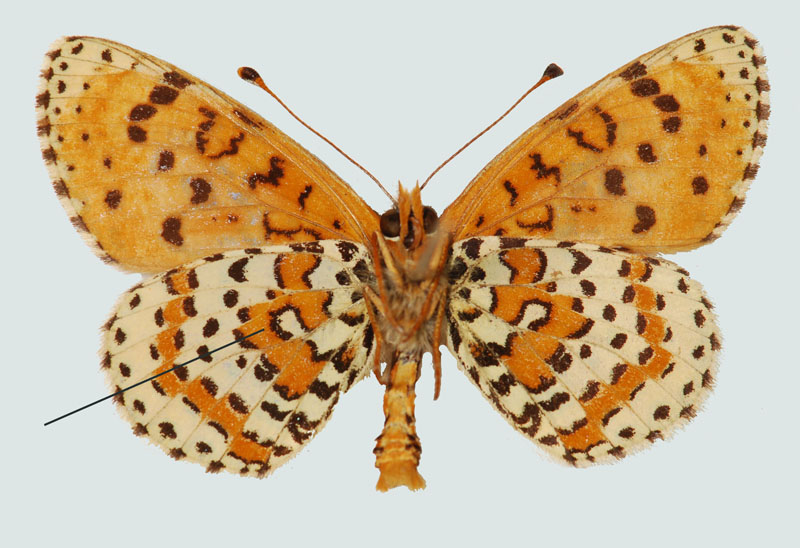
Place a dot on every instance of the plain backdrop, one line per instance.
(399, 86)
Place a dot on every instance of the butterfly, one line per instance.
(543, 278)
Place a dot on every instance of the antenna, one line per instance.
(251, 75)
(552, 71)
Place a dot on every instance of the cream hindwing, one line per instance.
(591, 352)
(251, 406)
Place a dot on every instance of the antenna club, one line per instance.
(249, 74)
(552, 71)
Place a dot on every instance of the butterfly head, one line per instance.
(409, 222)
(410, 235)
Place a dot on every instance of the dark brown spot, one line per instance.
(62, 87)
(727, 37)
(231, 298)
(179, 340)
(699, 318)
(43, 99)
(666, 103)
(77, 49)
(137, 134)
(645, 87)
(171, 231)
(142, 112)
(699, 45)
(236, 270)
(699, 352)
(627, 432)
(106, 56)
(176, 79)
(113, 198)
(702, 150)
(163, 95)
(166, 160)
(645, 153)
(237, 403)
(762, 111)
(647, 218)
(645, 355)
(49, 155)
(43, 127)
(200, 190)
(107, 162)
(635, 70)
(613, 182)
(609, 313)
(714, 341)
(628, 294)
(188, 307)
(61, 188)
(699, 185)
(671, 124)
(617, 372)
(588, 288)
(744, 74)
(641, 323)
(619, 340)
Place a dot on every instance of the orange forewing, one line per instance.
(161, 168)
(640, 159)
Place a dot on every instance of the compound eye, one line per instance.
(429, 219)
(390, 223)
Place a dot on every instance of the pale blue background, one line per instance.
(399, 88)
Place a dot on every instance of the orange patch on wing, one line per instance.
(169, 382)
(180, 282)
(165, 342)
(230, 420)
(298, 374)
(510, 300)
(174, 313)
(199, 396)
(293, 269)
(645, 297)
(655, 330)
(588, 435)
(527, 265)
(526, 365)
(248, 449)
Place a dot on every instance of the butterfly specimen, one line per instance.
(543, 278)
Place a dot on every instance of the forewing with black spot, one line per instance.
(655, 157)
(157, 168)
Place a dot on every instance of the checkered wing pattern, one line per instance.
(590, 352)
(249, 406)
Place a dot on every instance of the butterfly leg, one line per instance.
(372, 301)
(398, 450)
(435, 352)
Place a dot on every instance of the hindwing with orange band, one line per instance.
(591, 352)
(248, 407)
